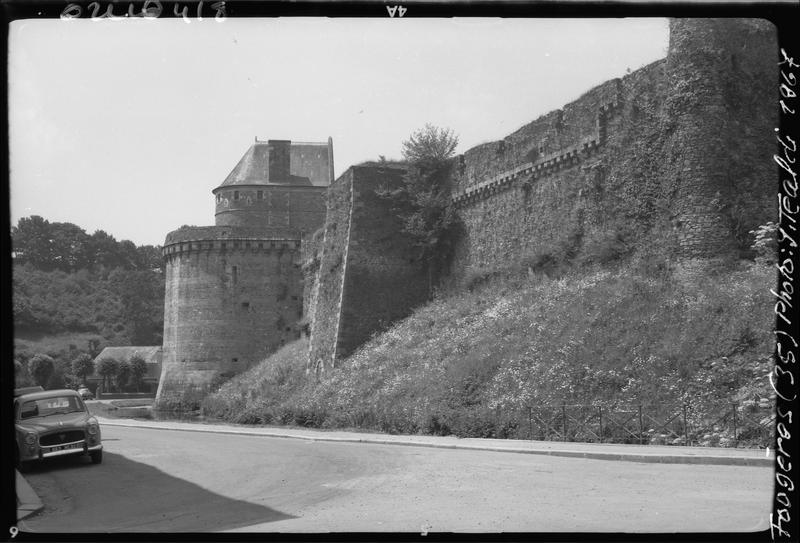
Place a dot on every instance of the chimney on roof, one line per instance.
(279, 152)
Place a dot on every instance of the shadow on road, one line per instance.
(121, 495)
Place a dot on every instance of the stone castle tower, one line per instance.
(234, 291)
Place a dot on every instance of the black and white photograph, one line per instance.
(394, 273)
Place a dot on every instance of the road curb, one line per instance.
(710, 459)
(28, 502)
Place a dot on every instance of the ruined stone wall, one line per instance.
(232, 298)
(299, 207)
(673, 158)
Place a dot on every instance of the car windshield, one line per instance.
(51, 406)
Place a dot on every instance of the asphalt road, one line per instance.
(168, 480)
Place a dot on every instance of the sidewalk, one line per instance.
(28, 502)
(595, 451)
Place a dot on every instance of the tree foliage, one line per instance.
(67, 281)
(82, 366)
(123, 375)
(138, 368)
(141, 294)
(107, 368)
(67, 247)
(40, 368)
(22, 377)
(430, 145)
(429, 217)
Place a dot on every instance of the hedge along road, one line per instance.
(168, 480)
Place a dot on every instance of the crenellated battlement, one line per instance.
(546, 164)
(230, 244)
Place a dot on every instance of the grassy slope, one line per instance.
(605, 338)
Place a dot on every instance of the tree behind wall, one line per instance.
(123, 376)
(21, 376)
(82, 366)
(138, 369)
(40, 368)
(431, 219)
(107, 369)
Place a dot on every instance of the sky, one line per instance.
(127, 125)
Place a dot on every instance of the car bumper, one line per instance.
(46, 452)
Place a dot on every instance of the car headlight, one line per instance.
(92, 426)
(30, 438)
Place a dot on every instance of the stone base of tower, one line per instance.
(233, 296)
(183, 390)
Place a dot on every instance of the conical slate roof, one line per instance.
(308, 164)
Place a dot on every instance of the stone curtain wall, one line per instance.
(384, 277)
(310, 256)
(329, 278)
(540, 142)
(567, 190)
(672, 159)
(366, 273)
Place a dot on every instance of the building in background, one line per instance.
(151, 356)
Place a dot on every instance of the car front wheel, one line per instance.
(97, 456)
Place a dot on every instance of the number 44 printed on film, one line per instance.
(396, 10)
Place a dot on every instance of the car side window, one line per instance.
(29, 409)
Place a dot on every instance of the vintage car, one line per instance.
(85, 393)
(52, 423)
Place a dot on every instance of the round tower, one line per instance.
(277, 183)
(234, 291)
(707, 60)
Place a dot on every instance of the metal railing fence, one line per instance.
(724, 425)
